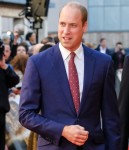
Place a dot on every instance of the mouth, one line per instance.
(66, 39)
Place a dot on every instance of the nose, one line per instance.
(66, 30)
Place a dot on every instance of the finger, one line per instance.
(79, 143)
(84, 133)
(81, 140)
(80, 127)
(79, 136)
(83, 137)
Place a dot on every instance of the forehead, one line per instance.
(70, 14)
(7, 47)
(20, 47)
(119, 44)
(104, 40)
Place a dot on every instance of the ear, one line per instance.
(85, 27)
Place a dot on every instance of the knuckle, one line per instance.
(78, 132)
(76, 136)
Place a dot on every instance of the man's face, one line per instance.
(16, 33)
(71, 28)
(119, 47)
(103, 44)
(33, 38)
(7, 51)
(21, 50)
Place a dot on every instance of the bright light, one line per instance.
(8, 32)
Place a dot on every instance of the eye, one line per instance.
(62, 24)
(73, 25)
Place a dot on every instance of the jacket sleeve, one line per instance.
(11, 77)
(110, 113)
(30, 104)
(123, 102)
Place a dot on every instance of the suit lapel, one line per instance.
(62, 77)
(89, 64)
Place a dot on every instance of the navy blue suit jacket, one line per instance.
(46, 90)
(108, 52)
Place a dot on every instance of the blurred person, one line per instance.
(22, 49)
(17, 136)
(31, 50)
(80, 114)
(19, 64)
(36, 48)
(47, 39)
(6, 38)
(8, 79)
(56, 39)
(90, 45)
(118, 47)
(30, 39)
(16, 38)
(102, 47)
(7, 53)
(45, 47)
(118, 58)
(123, 102)
(18, 33)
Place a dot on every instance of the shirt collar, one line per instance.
(65, 52)
(102, 49)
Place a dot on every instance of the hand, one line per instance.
(76, 134)
(16, 36)
(123, 51)
(15, 90)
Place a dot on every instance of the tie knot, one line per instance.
(72, 55)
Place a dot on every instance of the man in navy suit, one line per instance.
(91, 125)
(123, 101)
(102, 47)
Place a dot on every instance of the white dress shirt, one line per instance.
(102, 50)
(79, 62)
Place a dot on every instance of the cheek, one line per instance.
(60, 30)
(59, 33)
(24, 52)
(7, 54)
(18, 52)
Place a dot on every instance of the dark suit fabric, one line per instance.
(46, 89)
(118, 58)
(108, 52)
(8, 79)
(124, 105)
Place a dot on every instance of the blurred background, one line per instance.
(107, 18)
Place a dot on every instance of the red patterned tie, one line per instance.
(73, 82)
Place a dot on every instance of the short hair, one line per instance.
(28, 35)
(45, 47)
(23, 44)
(119, 43)
(102, 39)
(19, 28)
(79, 6)
(5, 36)
(56, 39)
